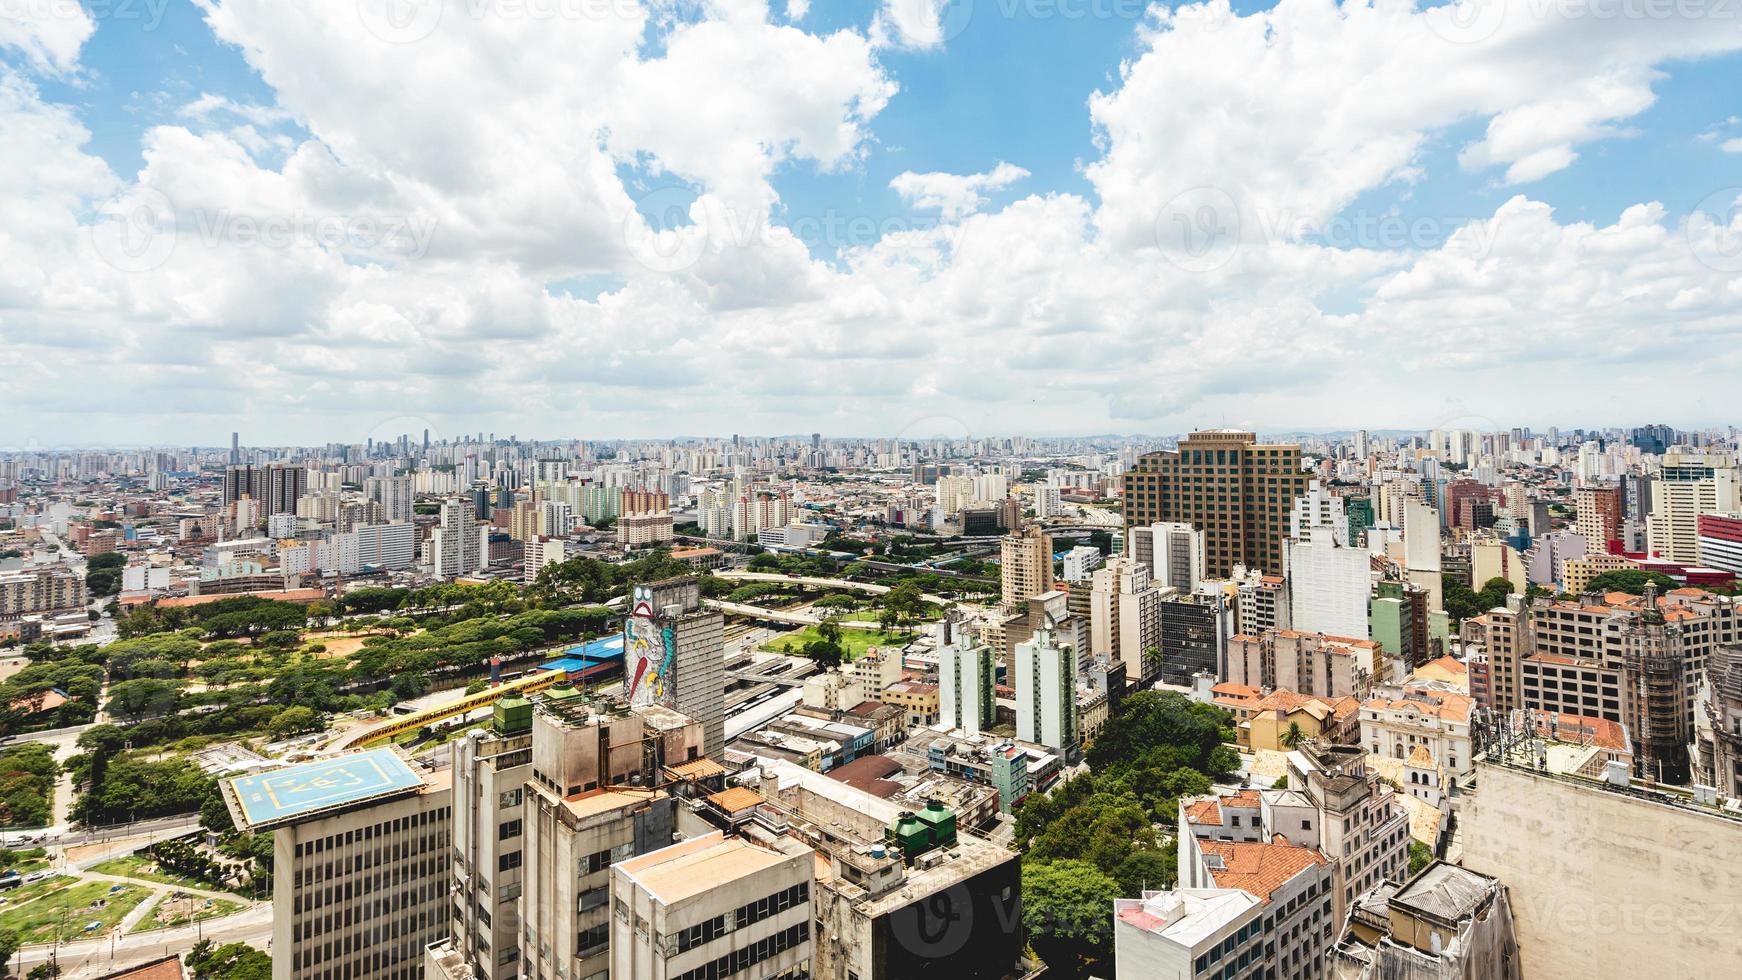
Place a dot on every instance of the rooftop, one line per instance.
(687, 869)
(1257, 867)
(1186, 916)
(284, 796)
(1445, 892)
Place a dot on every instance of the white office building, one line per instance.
(1046, 692)
(1329, 584)
(965, 682)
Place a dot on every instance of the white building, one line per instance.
(1174, 552)
(965, 682)
(458, 546)
(1318, 508)
(541, 551)
(386, 547)
(394, 495)
(1397, 721)
(1329, 584)
(712, 907)
(1124, 614)
(1046, 692)
(1081, 562)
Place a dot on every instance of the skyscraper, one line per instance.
(1046, 692)
(459, 545)
(965, 677)
(1025, 566)
(675, 652)
(1223, 482)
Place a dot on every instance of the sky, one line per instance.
(329, 221)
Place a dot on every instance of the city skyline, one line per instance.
(614, 218)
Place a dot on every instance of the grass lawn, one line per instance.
(36, 916)
(141, 866)
(854, 641)
(181, 911)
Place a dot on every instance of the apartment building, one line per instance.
(572, 843)
(712, 907)
(1243, 909)
(1637, 660)
(362, 851)
(41, 590)
(1239, 493)
(1174, 552)
(490, 769)
(1125, 616)
(1446, 921)
(1306, 663)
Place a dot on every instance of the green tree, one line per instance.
(295, 720)
(142, 698)
(1420, 856)
(1292, 738)
(1631, 580)
(1066, 915)
(9, 943)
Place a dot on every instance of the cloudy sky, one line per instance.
(601, 218)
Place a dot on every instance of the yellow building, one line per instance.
(1274, 716)
(1577, 573)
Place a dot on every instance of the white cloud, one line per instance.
(1733, 145)
(371, 270)
(953, 195)
(49, 33)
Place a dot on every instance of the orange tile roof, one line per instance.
(736, 799)
(1204, 812)
(1259, 868)
(1448, 664)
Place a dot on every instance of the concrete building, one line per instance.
(362, 850)
(1046, 693)
(1720, 541)
(1445, 922)
(1306, 663)
(41, 590)
(675, 651)
(965, 683)
(1329, 584)
(1081, 562)
(709, 907)
(1319, 507)
(459, 546)
(490, 770)
(1717, 755)
(1194, 631)
(1174, 552)
(1024, 566)
(393, 493)
(572, 843)
(1603, 876)
(1395, 722)
(1125, 617)
(1598, 514)
(1238, 492)
(1693, 482)
(1243, 908)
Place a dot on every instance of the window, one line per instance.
(509, 830)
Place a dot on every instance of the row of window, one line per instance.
(396, 826)
(743, 959)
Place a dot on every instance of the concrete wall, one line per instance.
(1601, 882)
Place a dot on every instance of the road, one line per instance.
(825, 583)
(98, 957)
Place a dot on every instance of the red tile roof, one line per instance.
(1259, 868)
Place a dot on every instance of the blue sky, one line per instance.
(521, 141)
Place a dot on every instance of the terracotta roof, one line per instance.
(1447, 664)
(1259, 868)
(1582, 728)
(736, 799)
(1446, 705)
(1204, 812)
(1233, 690)
(163, 968)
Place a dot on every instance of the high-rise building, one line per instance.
(1025, 566)
(675, 652)
(965, 684)
(712, 906)
(458, 546)
(1319, 507)
(1046, 692)
(1693, 482)
(275, 488)
(1174, 552)
(1328, 584)
(491, 767)
(1194, 630)
(1125, 617)
(394, 495)
(362, 853)
(1598, 515)
(1223, 482)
